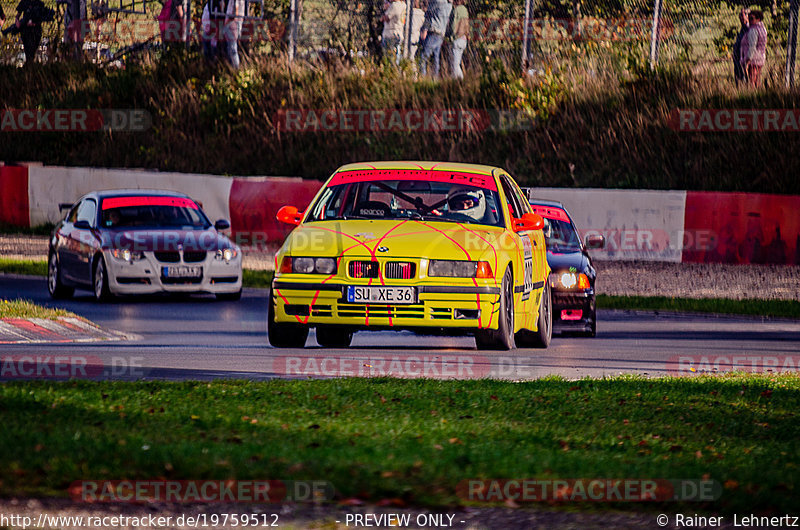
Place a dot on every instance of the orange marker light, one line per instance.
(583, 281)
(286, 265)
(484, 270)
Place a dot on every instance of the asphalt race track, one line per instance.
(200, 338)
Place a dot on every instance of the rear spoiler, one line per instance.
(64, 206)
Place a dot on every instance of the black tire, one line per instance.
(55, 286)
(543, 335)
(334, 336)
(100, 281)
(501, 338)
(229, 297)
(284, 335)
(593, 329)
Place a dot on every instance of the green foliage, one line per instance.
(412, 439)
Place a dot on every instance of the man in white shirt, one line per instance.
(754, 47)
(394, 19)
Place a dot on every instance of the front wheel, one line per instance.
(334, 336)
(284, 335)
(55, 286)
(544, 332)
(592, 331)
(501, 338)
(101, 291)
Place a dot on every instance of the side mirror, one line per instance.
(595, 241)
(289, 215)
(82, 224)
(528, 221)
(222, 224)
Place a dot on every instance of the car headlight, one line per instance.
(227, 254)
(460, 269)
(308, 265)
(570, 281)
(124, 254)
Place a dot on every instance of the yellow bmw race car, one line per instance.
(423, 246)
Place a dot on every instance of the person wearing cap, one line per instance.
(738, 69)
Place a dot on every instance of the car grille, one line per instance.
(376, 311)
(180, 281)
(400, 270)
(167, 256)
(364, 269)
(193, 256)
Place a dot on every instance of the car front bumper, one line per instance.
(146, 276)
(441, 306)
(568, 305)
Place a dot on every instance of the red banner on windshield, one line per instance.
(122, 202)
(550, 212)
(452, 177)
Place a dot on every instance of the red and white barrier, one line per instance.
(650, 225)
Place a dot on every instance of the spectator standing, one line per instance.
(28, 23)
(172, 21)
(432, 34)
(738, 69)
(393, 24)
(754, 48)
(459, 27)
(234, 16)
(213, 17)
(417, 18)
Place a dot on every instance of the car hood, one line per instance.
(392, 238)
(165, 240)
(566, 260)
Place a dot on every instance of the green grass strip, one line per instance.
(412, 439)
(32, 267)
(772, 308)
(27, 309)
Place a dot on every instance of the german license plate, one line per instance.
(182, 272)
(381, 295)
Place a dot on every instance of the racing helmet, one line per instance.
(467, 201)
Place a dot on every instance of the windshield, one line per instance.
(408, 199)
(149, 212)
(560, 235)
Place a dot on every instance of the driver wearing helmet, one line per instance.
(467, 201)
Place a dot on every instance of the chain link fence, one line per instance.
(534, 35)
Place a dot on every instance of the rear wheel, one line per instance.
(101, 291)
(544, 333)
(501, 338)
(281, 334)
(334, 336)
(55, 286)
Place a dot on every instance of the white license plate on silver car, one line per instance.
(182, 272)
(358, 294)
